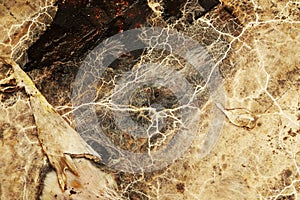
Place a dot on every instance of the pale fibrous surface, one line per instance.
(255, 46)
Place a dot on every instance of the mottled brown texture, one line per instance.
(22, 159)
(256, 47)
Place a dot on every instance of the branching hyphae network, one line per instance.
(145, 117)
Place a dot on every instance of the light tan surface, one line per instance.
(258, 54)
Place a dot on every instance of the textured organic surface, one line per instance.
(253, 45)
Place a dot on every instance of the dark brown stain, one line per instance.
(43, 173)
(180, 187)
(224, 166)
(287, 197)
(229, 10)
(287, 173)
(292, 133)
(80, 26)
(172, 9)
(208, 4)
(3, 126)
(72, 191)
